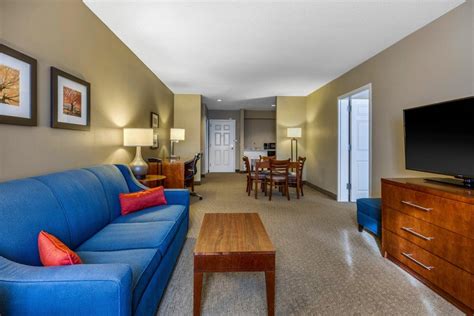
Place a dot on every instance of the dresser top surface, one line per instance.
(444, 190)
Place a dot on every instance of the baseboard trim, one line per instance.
(319, 189)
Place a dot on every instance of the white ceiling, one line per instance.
(246, 52)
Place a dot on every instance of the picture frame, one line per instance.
(18, 91)
(154, 120)
(155, 124)
(70, 101)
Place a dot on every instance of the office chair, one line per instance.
(190, 170)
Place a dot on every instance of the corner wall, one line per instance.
(291, 112)
(431, 65)
(67, 35)
(187, 115)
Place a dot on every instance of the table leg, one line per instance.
(270, 284)
(256, 189)
(197, 293)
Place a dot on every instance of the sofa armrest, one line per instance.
(84, 289)
(177, 197)
(132, 182)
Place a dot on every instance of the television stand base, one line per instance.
(462, 182)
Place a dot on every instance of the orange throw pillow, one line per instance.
(54, 253)
(132, 202)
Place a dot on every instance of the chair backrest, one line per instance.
(279, 167)
(190, 166)
(301, 161)
(265, 158)
(247, 164)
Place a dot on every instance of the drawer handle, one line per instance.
(411, 231)
(426, 209)
(410, 256)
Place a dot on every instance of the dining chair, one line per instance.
(278, 177)
(264, 158)
(253, 176)
(295, 179)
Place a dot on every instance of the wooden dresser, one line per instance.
(428, 229)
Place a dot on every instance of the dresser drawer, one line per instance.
(452, 215)
(453, 280)
(457, 249)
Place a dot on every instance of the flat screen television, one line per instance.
(439, 138)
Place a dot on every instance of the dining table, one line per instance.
(265, 164)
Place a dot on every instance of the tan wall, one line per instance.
(204, 113)
(258, 132)
(291, 112)
(431, 65)
(67, 35)
(187, 115)
(254, 114)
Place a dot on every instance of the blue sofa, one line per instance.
(128, 259)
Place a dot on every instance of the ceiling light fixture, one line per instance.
(219, 100)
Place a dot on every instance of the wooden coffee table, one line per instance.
(234, 242)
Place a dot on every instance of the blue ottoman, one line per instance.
(369, 215)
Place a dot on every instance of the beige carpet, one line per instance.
(324, 265)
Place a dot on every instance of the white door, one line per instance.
(354, 145)
(222, 146)
(359, 153)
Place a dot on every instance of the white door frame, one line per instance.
(342, 160)
(211, 121)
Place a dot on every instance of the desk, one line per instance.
(172, 169)
(152, 180)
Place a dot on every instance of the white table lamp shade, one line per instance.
(138, 137)
(177, 134)
(293, 132)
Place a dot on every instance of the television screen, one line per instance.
(439, 138)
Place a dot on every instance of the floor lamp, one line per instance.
(294, 133)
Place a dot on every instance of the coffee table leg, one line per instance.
(270, 284)
(197, 293)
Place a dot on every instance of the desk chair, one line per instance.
(190, 170)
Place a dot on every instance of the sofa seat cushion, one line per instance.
(371, 207)
(174, 213)
(143, 262)
(123, 236)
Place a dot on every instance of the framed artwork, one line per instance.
(70, 101)
(18, 103)
(156, 143)
(155, 123)
(154, 120)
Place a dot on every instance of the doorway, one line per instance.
(354, 167)
(221, 145)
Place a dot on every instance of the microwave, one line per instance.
(269, 145)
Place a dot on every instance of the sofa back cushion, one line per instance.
(28, 206)
(114, 184)
(83, 199)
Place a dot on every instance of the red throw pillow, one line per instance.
(132, 202)
(54, 253)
